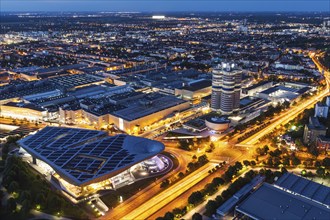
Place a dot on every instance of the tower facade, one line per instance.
(226, 88)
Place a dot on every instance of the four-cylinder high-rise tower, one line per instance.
(226, 88)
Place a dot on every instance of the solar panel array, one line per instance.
(55, 138)
(69, 81)
(24, 89)
(305, 187)
(82, 155)
(99, 157)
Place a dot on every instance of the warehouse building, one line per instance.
(291, 197)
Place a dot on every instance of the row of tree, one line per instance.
(33, 192)
(198, 197)
(192, 166)
(252, 132)
(212, 205)
(193, 144)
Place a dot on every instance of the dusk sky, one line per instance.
(165, 5)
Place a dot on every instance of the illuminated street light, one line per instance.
(38, 207)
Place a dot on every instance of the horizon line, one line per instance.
(191, 11)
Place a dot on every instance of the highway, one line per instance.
(147, 193)
(283, 118)
(154, 204)
(237, 155)
(149, 204)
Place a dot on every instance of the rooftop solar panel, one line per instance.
(76, 154)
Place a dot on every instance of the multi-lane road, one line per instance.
(154, 204)
(149, 192)
(143, 206)
(293, 111)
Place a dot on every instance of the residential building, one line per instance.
(313, 130)
(321, 110)
(323, 143)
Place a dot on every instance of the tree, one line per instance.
(191, 166)
(275, 153)
(259, 151)
(165, 183)
(40, 198)
(25, 195)
(298, 143)
(317, 163)
(177, 212)
(202, 159)
(219, 200)
(284, 170)
(286, 161)
(276, 162)
(195, 198)
(296, 161)
(238, 165)
(314, 151)
(13, 187)
(52, 202)
(218, 181)
(169, 216)
(181, 175)
(210, 189)
(326, 162)
(5, 151)
(11, 204)
(228, 175)
(26, 206)
(184, 145)
(270, 162)
(286, 104)
(253, 163)
(266, 149)
(250, 175)
(320, 171)
(210, 148)
(225, 194)
(1, 195)
(211, 207)
(246, 163)
(197, 216)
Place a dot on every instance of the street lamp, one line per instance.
(38, 207)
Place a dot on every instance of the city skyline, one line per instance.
(165, 110)
(167, 6)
